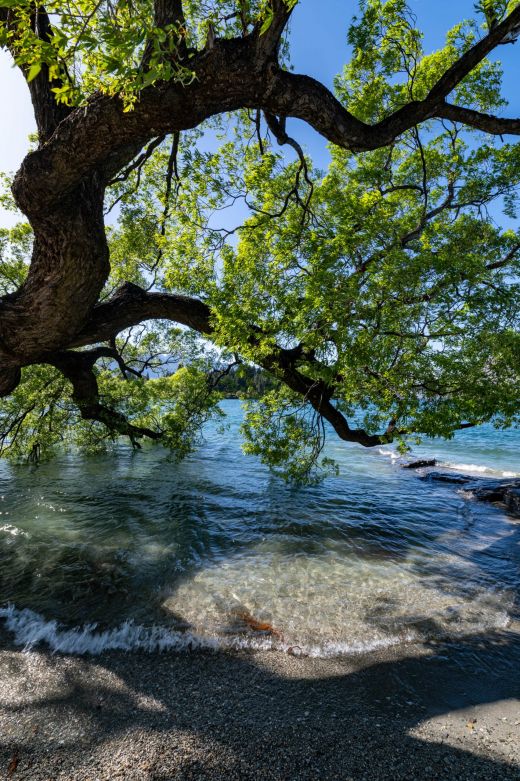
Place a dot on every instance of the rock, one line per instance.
(421, 464)
(494, 493)
(448, 477)
(512, 499)
(505, 492)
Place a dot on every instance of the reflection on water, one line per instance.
(216, 551)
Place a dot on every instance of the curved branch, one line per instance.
(132, 305)
(77, 367)
(487, 122)
(293, 95)
(235, 73)
(60, 186)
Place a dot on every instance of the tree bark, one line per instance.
(60, 186)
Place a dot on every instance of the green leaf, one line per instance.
(34, 70)
(267, 21)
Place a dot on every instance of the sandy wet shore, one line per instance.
(440, 712)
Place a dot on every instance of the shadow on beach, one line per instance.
(444, 711)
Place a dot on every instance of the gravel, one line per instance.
(441, 712)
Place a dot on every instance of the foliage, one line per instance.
(288, 436)
(495, 10)
(244, 381)
(37, 415)
(153, 390)
(389, 276)
(120, 48)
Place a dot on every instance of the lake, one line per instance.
(133, 550)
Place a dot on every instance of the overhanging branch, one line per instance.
(78, 368)
(480, 121)
(132, 305)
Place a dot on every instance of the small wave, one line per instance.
(469, 467)
(31, 629)
(479, 469)
(389, 453)
(13, 530)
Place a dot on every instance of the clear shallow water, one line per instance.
(131, 550)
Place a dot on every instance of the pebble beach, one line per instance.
(442, 712)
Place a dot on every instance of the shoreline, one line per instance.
(443, 711)
(434, 710)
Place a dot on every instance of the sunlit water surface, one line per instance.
(132, 550)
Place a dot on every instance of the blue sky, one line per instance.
(319, 49)
(319, 46)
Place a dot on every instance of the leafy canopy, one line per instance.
(393, 276)
(119, 48)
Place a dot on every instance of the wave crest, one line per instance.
(30, 629)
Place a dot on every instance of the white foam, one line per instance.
(479, 469)
(468, 467)
(389, 453)
(8, 528)
(31, 629)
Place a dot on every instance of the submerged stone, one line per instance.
(496, 491)
(448, 477)
(420, 464)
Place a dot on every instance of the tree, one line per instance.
(383, 285)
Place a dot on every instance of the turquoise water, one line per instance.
(133, 550)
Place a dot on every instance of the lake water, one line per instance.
(132, 550)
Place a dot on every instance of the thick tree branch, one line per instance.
(234, 74)
(60, 186)
(292, 95)
(68, 269)
(77, 367)
(168, 12)
(269, 40)
(335, 123)
(488, 123)
(132, 305)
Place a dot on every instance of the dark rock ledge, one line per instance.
(505, 492)
(420, 464)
